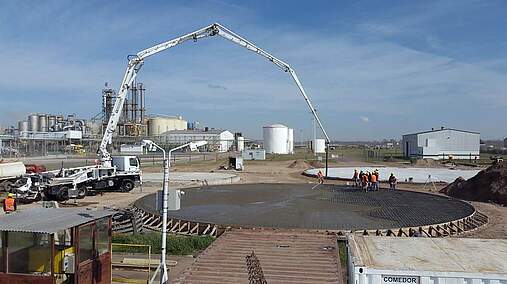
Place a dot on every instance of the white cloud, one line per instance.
(364, 119)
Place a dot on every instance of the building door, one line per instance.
(94, 253)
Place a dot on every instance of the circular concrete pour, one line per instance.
(419, 175)
(299, 206)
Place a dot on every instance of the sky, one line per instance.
(373, 69)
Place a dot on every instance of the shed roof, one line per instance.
(442, 129)
(430, 254)
(49, 220)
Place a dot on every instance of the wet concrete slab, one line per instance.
(330, 207)
(419, 175)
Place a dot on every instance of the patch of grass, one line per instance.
(176, 245)
(342, 249)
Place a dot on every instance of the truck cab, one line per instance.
(126, 163)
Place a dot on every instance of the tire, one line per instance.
(63, 194)
(127, 185)
(82, 191)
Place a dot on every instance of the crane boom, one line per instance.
(136, 62)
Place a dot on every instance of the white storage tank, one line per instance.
(277, 139)
(290, 141)
(392, 260)
(43, 123)
(33, 122)
(161, 124)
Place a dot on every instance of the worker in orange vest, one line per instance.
(365, 181)
(10, 204)
(374, 184)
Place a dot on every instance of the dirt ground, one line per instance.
(275, 172)
(281, 172)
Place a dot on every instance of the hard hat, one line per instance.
(10, 195)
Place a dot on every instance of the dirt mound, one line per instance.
(317, 164)
(425, 163)
(489, 185)
(300, 165)
(304, 164)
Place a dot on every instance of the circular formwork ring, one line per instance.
(149, 221)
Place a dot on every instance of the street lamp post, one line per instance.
(164, 278)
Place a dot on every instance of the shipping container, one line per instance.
(254, 154)
(392, 260)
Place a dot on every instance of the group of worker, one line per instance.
(369, 181)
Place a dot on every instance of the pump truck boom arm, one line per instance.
(136, 62)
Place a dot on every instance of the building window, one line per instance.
(103, 234)
(85, 243)
(29, 253)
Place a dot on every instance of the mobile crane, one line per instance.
(122, 172)
(135, 62)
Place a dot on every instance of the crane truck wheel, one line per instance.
(127, 185)
(81, 192)
(63, 194)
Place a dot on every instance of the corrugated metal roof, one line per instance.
(440, 129)
(49, 220)
(430, 254)
(285, 257)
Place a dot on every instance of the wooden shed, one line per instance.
(56, 245)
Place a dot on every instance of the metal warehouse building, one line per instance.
(443, 143)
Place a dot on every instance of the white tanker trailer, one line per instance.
(10, 173)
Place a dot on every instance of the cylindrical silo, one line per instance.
(23, 128)
(319, 146)
(51, 122)
(43, 122)
(290, 141)
(33, 122)
(276, 138)
(161, 124)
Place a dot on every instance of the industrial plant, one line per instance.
(132, 192)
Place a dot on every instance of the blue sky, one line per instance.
(374, 69)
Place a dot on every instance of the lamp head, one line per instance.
(149, 145)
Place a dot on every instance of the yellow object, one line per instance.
(59, 255)
(39, 259)
(10, 195)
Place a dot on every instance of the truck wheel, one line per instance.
(82, 192)
(63, 193)
(127, 185)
